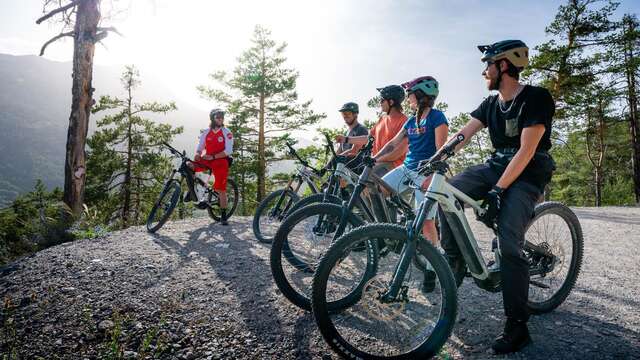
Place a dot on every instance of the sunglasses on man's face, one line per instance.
(489, 63)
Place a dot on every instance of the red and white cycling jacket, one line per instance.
(215, 141)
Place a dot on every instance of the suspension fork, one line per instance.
(275, 210)
(408, 252)
(346, 209)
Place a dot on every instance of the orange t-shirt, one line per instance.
(386, 129)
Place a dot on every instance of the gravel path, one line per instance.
(199, 290)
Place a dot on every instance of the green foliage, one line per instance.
(126, 166)
(261, 98)
(583, 64)
(33, 221)
(475, 152)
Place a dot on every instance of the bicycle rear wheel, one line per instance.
(554, 247)
(162, 209)
(214, 209)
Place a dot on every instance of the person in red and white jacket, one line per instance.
(214, 148)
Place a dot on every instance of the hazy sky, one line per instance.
(342, 49)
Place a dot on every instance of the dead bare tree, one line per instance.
(83, 16)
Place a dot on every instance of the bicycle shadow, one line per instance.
(241, 263)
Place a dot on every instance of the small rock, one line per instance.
(222, 246)
(105, 325)
(59, 342)
(130, 354)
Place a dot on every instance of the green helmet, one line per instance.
(515, 51)
(215, 112)
(350, 106)
(427, 84)
(392, 92)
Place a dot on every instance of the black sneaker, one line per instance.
(429, 281)
(223, 218)
(514, 337)
(458, 267)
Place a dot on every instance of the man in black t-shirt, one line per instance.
(519, 120)
(350, 112)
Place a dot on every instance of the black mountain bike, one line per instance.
(390, 314)
(197, 190)
(306, 233)
(275, 206)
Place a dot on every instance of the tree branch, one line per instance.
(58, 10)
(109, 28)
(61, 35)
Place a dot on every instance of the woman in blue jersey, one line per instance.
(426, 131)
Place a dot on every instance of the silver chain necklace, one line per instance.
(512, 101)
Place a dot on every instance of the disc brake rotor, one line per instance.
(372, 302)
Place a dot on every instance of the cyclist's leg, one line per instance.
(429, 229)
(475, 181)
(221, 172)
(516, 211)
(397, 179)
(382, 168)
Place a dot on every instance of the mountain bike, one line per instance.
(305, 234)
(274, 207)
(391, 315)
(197, 190)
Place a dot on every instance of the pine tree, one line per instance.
(261, 91)
(127, 165)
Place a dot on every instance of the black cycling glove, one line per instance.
(492, 205)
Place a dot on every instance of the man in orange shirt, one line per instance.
(389, 124)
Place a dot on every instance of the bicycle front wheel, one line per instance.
(301, 240)
(162, 209)
(270, 212)
(414, 324)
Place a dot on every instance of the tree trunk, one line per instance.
(126, 184)
(87, 18)
(633, 106)
(260, 193)
(602, 148)
(598, 176)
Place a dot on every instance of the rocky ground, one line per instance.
(199, 290)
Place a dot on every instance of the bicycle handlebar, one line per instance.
(304, 163)
(329, 144)
(445, 152)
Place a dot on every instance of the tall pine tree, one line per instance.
(261, 92)
(126, 162)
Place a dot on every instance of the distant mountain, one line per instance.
(35, 102)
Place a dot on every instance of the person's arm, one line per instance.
(389, 147)
(397, 153)
(355, 140)
(469, 130)
(201, 145)
(529, 140)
